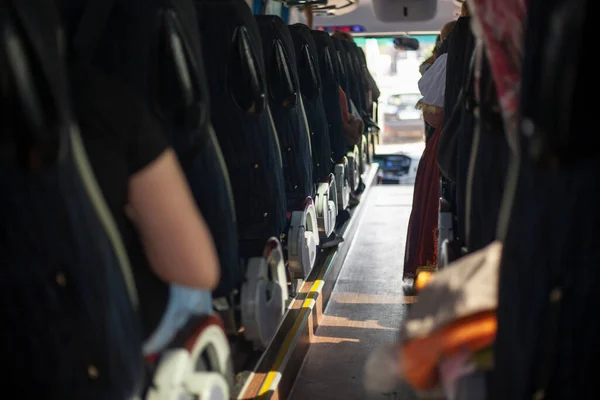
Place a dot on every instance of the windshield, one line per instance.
(404, 99)
(396, 72)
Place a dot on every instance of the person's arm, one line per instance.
(425, 65)
(159, 202)
(178, 243)
(308, 14)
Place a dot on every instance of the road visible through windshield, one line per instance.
(397, 74)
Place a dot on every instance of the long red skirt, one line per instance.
(421, 238)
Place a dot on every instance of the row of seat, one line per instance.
(252, 109)
(473, 156)
(472, 185)
(526, 179)
(274, 92)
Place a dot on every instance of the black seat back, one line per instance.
(70, 328)
(351, 64)
(460, 50)
(242, 121)
(181, 97)
(286, 104)
(549, 274)
(488, 168)
(311, 87)
(331, 81)
(343, 66)
(361, 79)
(169, 73)
(365, 70)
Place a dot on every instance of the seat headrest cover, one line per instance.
(307, 58)
(32, 72)
(328, 61)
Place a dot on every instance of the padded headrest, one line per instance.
(361, 79)
(179, 80)
(280, 59)
(31, 72)
(120, 41)
(328, 62)
(308, 60)
(302, 36)
(235, 50)
(340, 53)
(362, 57)
(356, 57)
(349, 57)
(273, 26)
(353, 82)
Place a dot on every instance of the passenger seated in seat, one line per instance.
(166, 237)
(438, 49)
(421, 243)
(429, 61)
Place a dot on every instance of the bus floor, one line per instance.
(366, 307)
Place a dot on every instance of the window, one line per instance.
(397, 75)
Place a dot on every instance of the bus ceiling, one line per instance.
(385, 10)
(380, 16)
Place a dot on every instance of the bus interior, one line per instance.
(397, 205)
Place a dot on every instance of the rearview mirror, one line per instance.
(326, 7)
(406, 43)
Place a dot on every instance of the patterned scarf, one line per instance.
(499, 27)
